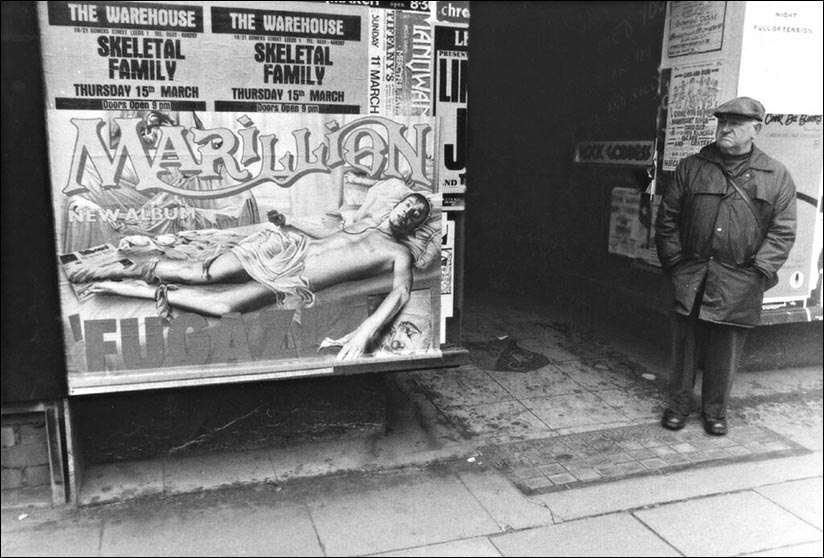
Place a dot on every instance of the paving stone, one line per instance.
(552, 469)
(563, 478)
(699, 457)
(503, 502)
(776, 446)
(675, 459)
(504, 420)
(461, 387)
(643, 453)
(527, 472)
(631, 445)
(813, 550)
(725, 442)
(224, 530)
(367, 518)
(801, 498)
(764, 525)
(68, 541)
(471, 547)
(663, 450)
(609, 470)
(718, 453)
(738, 451)
(755, 447)
(585, 474)
(572, 410)
(618, 535)
(547, 381)
(634, 404)
(655, 463)
(631, 467)
(535, 484)
(684, 448)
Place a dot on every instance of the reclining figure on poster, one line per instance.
(281, 266)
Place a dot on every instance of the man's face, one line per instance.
(734, 135)
(405, 337)
(151, 129)
(407, 214)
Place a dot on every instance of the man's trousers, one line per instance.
(716, 349)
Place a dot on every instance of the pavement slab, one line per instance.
(573, 410)
(618, 535)
(728, 524)
(546, 381)
(595, 379)
(815, 549)
(493, 422)
(801, 498)
(503, 502)
(216, 529)
(469, 547)
(55, 541)
(362, 517)
(636, 404)
(460, 387)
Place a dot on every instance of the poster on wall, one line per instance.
(447, 272)
(287, 60)
(124, 56)
(796, 141)
(451, 59)
(626, 233)
(229, 204)
(693, 96)
(400, 46)
(695, 27)
(632, 225)
(781, 56)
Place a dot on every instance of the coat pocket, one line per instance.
(741, 290)
(687, 277)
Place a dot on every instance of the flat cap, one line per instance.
(744, 107)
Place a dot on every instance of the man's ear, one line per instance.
(758, 126)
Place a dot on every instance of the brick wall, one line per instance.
(25, 453)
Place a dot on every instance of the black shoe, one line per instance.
(673, 420)
(715, 426)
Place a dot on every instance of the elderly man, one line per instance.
(724, 228)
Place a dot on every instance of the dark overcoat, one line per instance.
(705, 231)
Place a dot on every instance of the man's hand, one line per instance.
(354, 345)
(276, 217)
